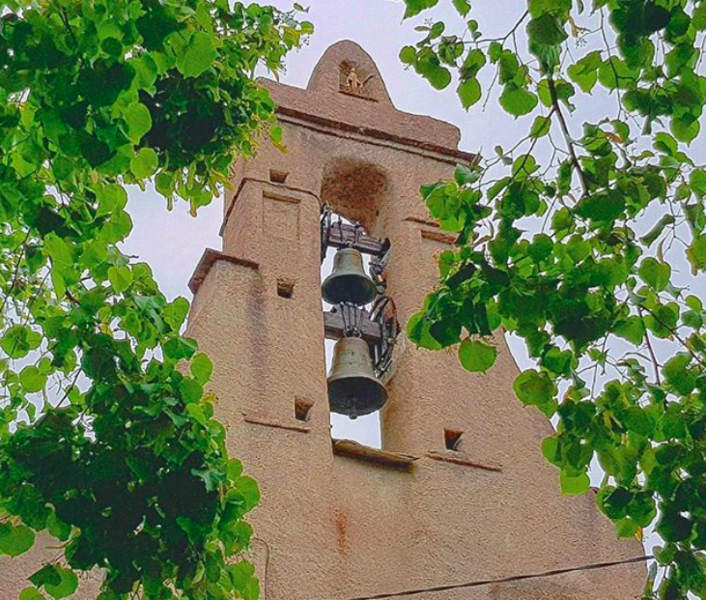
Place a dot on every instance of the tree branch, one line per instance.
(567, 136)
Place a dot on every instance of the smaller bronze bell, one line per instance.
(353, 389)
(348, 281)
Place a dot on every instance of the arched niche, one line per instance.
(355, 190)
(331, 74)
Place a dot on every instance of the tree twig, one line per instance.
(567, 136)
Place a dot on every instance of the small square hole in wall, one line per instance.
(302, 409)
(452, 438)
(285, 288)
(278, 176)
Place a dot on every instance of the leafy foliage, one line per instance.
(104, 442)
(574, 243)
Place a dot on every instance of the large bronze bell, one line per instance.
(353, 389)
(348, 281)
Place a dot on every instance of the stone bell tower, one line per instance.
(459, 491)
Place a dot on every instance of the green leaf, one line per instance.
(197, 412)
(626, 528)
(139, 121)
(551, 450)
(574, 484)
(649, 238)
(697, 181)
(699, 17)
(174, 314)
(201, 368)
(414, 7)
(418, 330)
(31, 594)
(685, 128)
(94, 254)
(495, 51)
(32, 380)
(469, 92)
(120, 278)
(663, 320)
(539, 7)
(112, 199)
(66, 587)
(631, 329)
(614, 73)
(476, 356)
(535, 388)
(677, 374)
(247, 488)
(198, 55)
(191, 390)
(655, 274)
(465, 175)
(48, 574)
(15, 540)
(19, 340)
(540, 127)
(696, 253)
(57, 528)
(518, 101)
(429, 66)
(144, 163)
(674, 527)
(408, 55)
(605, 206)
(235, 468)
(584, 72)
(546, 30)
(462, 6)
(541, 247)
(179, 348)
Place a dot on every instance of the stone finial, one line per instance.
(346, 67)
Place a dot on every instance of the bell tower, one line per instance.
(459, 491)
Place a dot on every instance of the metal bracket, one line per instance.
(384, 312)
(337, 234)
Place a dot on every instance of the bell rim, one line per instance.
(370, 408)
(369, 297)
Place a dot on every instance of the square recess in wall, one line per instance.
(285, 288)
(278, 176)
(452, 439)
(302, 409)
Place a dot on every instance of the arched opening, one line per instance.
(365, 430)
(354, 190)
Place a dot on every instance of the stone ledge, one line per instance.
(439, 236)
(211, 257)
(286, 113)
(354, 95)
(458, 458)
(351, 449)
(269, 422)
